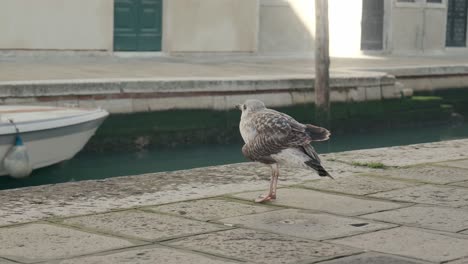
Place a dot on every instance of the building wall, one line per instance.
(56, 24)
(288, 26)
(345, 27)
(210, 26)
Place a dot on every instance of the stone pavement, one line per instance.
(33, 68)
(415, 210)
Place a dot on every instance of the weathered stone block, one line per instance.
(439, 218)
(148, 255)
(338, 96)
(429, 194)
(210, 209)
(460, 261)
(261, 247)
(19, 100)
(461, 184)
(275, 99)
(116, 105)
(373, 93)
(390, 92)
(87, 103)
(317, 226)
(232, 100)
(430, 174)
(339, 204)
(4, 261)
(142, 225)
(357, 184)
(357, 94)
(39, 242)
(67, 103)
(196, 102)
(407, 155)
(374, 258)
(458, 163)
(140, 105)
(305, 97)
(410, 242)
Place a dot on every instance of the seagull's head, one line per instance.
(251, 105)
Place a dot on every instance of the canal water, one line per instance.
(93, 165)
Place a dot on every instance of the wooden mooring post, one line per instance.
(322, 64)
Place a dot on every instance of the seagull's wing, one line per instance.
(275, 132)
(314, 132)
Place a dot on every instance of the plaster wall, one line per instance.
(56, 24)
(210, 26)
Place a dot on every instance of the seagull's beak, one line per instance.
(238, 106)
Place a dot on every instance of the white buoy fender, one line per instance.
(16, 161)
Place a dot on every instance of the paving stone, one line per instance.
(429, 174)
(147, 256)
(461, 184)
(464, 232)
(142, 225)
(261, 247)
(210, 209)
(334, 203)
(439, 218)
(315, 226)
(407, 155)
(429, 194)
(39, 242)
(410, 242)
(360, 185)
(374, 258)
(458, 163)
(460, 261)
(4, 261)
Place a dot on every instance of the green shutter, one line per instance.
(456, 23)
(372, 25)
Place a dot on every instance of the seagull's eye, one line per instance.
(244, 107)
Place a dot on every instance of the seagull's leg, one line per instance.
(275, 169)
(273, 182)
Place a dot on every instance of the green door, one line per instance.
(137, 25)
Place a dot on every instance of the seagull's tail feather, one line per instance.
(323, 173)
(320, 170)
(317, 133)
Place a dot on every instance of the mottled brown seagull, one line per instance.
(274, 138)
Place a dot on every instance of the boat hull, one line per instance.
(51, 146)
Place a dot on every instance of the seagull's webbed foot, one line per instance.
(271, 195)
(266, 198)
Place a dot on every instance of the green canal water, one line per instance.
(95, 165)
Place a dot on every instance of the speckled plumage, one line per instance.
(274, 137)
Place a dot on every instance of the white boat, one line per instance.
(50, 134)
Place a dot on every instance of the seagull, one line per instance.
(274, 138)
